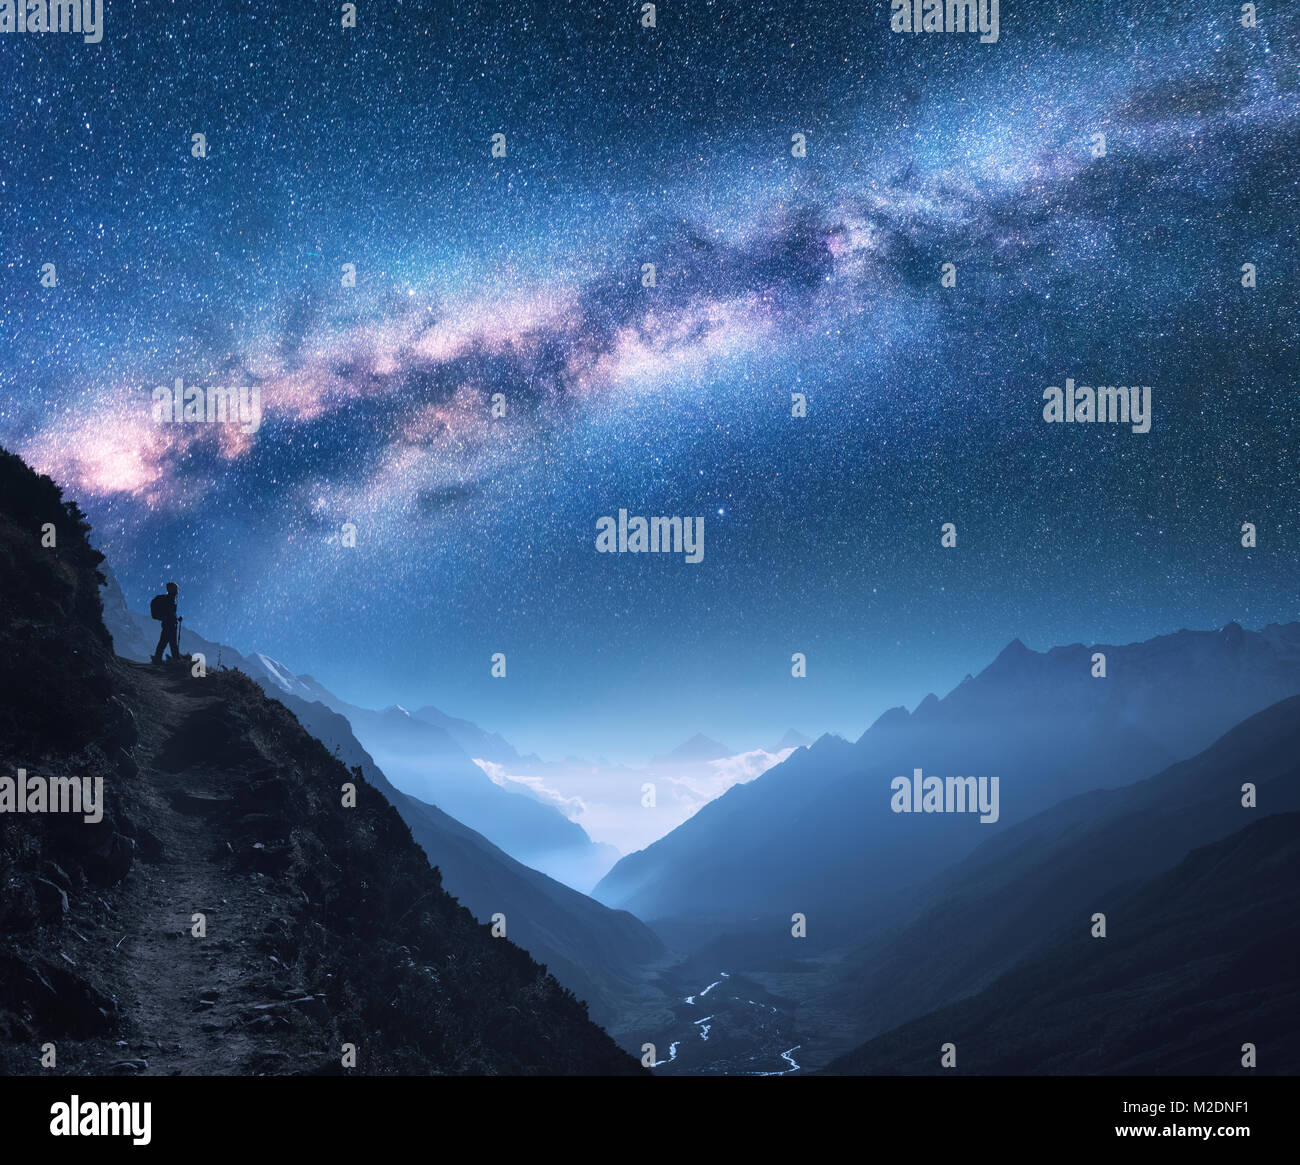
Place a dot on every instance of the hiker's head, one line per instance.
(172, 588)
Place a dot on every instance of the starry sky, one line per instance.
(776, 274)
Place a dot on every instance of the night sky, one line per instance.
(775, 274)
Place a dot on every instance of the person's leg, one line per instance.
(162, 644)
(171, 641)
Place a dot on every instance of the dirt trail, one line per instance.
(192, 1005)
(330, 942)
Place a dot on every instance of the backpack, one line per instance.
(158, 607)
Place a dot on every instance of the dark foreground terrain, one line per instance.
(323, 925)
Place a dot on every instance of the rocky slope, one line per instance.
(322, 925)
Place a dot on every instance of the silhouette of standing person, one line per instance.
(163, 608)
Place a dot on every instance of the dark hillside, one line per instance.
(325, 925)
(1197, 962)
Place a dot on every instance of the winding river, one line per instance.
(722, 1031)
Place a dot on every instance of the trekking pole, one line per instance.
(179, 620)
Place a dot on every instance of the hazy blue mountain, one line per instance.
(791, 739)
(816, 834)
(1009, 898)
(698, 748)
(1196, 962)
(476, 742)
(424, 761)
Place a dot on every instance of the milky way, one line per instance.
(775, 274)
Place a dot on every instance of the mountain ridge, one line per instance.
(1197, 961)
(1038, 721)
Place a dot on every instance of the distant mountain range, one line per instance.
(615, 802)
(817, 834)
